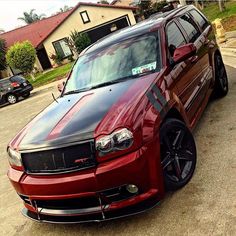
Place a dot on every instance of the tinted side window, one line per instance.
(174, 37)
(5, 83)
(17, 79)
(190, 28)
(199, 19)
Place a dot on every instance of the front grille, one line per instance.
(60, 160)
(74, 203)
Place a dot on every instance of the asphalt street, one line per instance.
(206, 206)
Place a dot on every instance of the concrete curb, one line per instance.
(231, 52)
(231, 34)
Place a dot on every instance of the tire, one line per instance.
(178, 154)
(221, 79)
(26, 95)
(12, 99)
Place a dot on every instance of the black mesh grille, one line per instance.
(60, 160)
(74, 203)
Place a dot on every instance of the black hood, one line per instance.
(74, 125)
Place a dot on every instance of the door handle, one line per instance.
(193, 59)
(207, 41)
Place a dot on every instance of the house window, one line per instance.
(62, 48)
(85, 17)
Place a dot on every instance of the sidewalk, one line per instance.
(47, 87)
(228, 49)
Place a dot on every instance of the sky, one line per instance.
(10, 10)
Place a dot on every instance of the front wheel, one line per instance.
(12, 99)
(178, 154)
(221, 79)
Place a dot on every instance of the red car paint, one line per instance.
(173, 89)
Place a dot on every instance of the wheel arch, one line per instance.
(176, 110)
(174, 113)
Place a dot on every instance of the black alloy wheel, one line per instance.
(178, 154)
(221, 79)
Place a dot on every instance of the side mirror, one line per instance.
(184, 52)
(61, 86)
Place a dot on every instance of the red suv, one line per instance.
(120, 134)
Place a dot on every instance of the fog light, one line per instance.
(131, 188)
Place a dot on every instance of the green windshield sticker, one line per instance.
(144, 68)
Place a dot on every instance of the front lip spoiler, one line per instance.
(96, 217)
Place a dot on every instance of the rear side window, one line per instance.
(190, 27)
(5, 83)
(174, 37)
(17, 79)
(199, 19)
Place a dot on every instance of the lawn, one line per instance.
(50, 76)
(228, 16)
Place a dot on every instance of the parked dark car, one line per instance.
(120, 134)
(14, 87)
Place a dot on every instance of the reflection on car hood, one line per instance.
(84, 115)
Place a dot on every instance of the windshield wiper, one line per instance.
(122, 79)
(110, 82)
(76, 91)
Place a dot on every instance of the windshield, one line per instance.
(127, 59)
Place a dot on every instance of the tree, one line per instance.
(22, 56)
(158, 6)
(3, 50)
(80, 40)
(104, 2)
(145, 8)
(221, 5)
(31, 17)
(64, 9)
(2, 31)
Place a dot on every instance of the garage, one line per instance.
(104, 29)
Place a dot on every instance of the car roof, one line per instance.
(9, 78)
(154, 22)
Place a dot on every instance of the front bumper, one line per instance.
(93, 195)
(98, 216)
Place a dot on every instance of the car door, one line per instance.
(187, 74)
(204, 44)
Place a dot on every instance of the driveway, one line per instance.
(206, 206)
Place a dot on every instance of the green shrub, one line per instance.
(3, 50)
(57, 58)
(71, 58)
(22, 56)
(80, 40)
(158, 6)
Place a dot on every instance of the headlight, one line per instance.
(119, 140)
(14, 157)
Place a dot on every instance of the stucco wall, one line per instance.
(97, 15)
(38, 65)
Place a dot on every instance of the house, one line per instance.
(47, 35)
